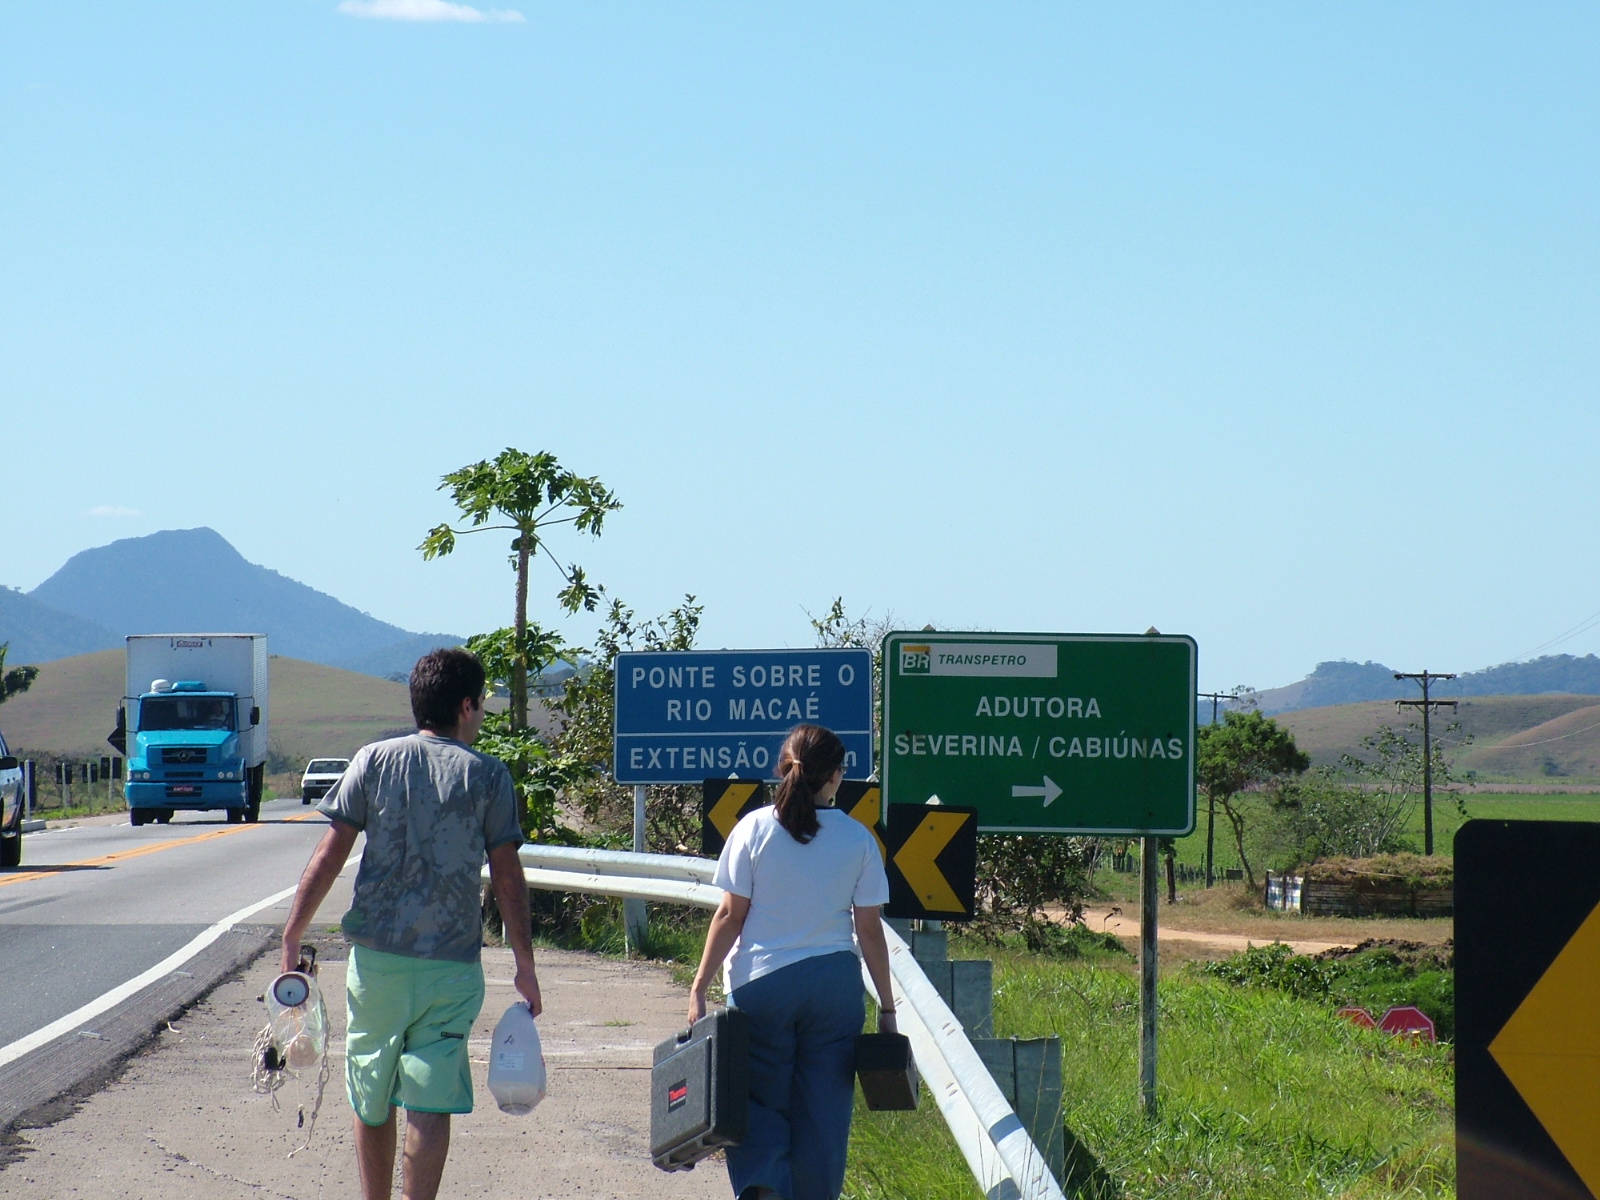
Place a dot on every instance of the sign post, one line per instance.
(1051, 733)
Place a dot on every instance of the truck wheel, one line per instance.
(136, 816)
(163, 816)
(11, 851)
(235, 815)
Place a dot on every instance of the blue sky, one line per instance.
(1275, 325)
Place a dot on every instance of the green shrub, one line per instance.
(1375, 975)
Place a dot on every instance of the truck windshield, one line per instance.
(186, 712)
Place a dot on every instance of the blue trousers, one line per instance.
(804, 1020)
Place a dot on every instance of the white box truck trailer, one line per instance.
(194, 719)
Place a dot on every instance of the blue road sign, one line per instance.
(684, 716)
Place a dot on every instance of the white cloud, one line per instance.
(425, 10)
(112, 510)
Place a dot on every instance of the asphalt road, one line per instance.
(94, 905)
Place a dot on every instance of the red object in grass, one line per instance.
(1409, 1020)
(1357, 1016)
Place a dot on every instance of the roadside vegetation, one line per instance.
(1263, 1094)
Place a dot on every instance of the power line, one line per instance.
(1581, 627)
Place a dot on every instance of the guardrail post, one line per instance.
(1028, 1073)
(635, 916)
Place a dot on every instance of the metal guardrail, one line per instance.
(1002, 1157)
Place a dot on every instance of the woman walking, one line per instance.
(798, 879)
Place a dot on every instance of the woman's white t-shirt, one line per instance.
(800, 894)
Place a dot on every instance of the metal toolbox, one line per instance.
(700, 1091)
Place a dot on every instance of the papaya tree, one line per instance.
(531, 495)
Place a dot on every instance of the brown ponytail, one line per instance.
(810, 756)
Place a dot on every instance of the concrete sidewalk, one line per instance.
(182, 1120)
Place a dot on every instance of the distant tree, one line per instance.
(15, 681)
(534, 494)
(1326, 815)
(1390, 766)
(1243, 755)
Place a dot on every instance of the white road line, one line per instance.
(118, 994)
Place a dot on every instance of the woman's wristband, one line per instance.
(886, 1012)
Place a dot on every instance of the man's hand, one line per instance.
(527, 983)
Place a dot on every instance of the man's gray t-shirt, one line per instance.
(431, 808)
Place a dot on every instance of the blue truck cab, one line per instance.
(186, 753)
(194, 720)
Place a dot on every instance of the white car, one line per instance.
(320, 776)
(10, 808)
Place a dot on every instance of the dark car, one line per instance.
(10, 807)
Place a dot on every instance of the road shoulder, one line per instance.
(182, 1121)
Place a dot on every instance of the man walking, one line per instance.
(432, 809)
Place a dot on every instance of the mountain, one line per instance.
(1354, 683)
(192, 580)
(38, 633)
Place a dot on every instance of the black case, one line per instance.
(700, 1091)
(888, 1073)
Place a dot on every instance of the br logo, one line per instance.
(916, 660)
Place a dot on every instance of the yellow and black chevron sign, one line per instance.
(863, 801)
(724, 802)
(932, 861)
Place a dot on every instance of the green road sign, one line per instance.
(1043, 733)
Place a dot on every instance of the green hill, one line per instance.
(1545, 738)
(315, 710)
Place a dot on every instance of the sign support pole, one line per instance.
(1150, 899)
(635, 917)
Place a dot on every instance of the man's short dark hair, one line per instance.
(440, 681)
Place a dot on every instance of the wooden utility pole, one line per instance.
(1427, 704)
(1216, 698)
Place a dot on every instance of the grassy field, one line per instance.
(1262, 1097)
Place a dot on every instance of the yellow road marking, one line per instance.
(106, 860)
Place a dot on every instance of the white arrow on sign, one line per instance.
(1049, 791)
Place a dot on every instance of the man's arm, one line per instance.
(511, 894)
(327, 860)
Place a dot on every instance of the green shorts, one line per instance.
(409, 1020)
